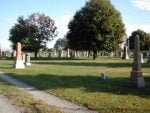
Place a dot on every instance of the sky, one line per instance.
(135, 15)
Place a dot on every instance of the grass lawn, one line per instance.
(79, 81)
(24, 100)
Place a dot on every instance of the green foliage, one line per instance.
(33, 32)
(61, 43)
(18, 33)
(144, 39)
(97, 26)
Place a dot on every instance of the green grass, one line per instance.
(24, 100)
(79, 81)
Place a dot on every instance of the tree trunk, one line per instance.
(88, 53)
(94, 54)
(36, 52)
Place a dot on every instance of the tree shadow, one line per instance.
(57, 58)
(118, 85)
(69, 63)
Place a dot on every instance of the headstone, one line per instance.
(40, 54)
(18, 61)
(23, 57)
(142, 60)
(27, 60)
(49, 54)
(59, 53)
(111, 54)
(125, 54)
(62, 53)
(136, 74)
(55, 53)
(148, 56)
(68, 52)
(78, 54)
(75, 54)
(121, 54)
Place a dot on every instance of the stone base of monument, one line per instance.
(138, 79)
(19, 64)
(28, 64)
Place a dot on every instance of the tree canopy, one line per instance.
(144, 39)
(97, 26)
(33, 32)
(61, 43)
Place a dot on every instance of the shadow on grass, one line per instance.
(113, 65)
(57, 58)
(119, 86)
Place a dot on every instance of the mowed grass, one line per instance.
(21, 99)
(79, 81)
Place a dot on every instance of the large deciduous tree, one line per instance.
(33, 32)
(97, 26)
(144, 39)
(61, 43)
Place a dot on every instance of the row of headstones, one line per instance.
(126, 55)
(3, 54)
(21, 60)
(62, 53)
(73, 54)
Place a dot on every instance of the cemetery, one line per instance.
(79, 81)
(96, 67)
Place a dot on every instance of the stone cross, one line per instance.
(18, 61)
(136, 74)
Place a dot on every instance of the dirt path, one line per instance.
(6, 106)
(63, 105)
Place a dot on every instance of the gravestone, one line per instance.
(68, 53)
(55, 53)
(148, 56)
(27, 60)
(59, 53)
(111, 54)
(125, 53)
(24, 57)
(75, 54)
(121, 54)
(136, 74)
(142, 60)
(49, 55)
(18, 61)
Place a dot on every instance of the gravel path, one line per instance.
(63, 105)
(6, 106)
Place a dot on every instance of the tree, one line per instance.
(18, 33)
(33, 32)
(97, 26)
(144, 39)
(61, 43)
